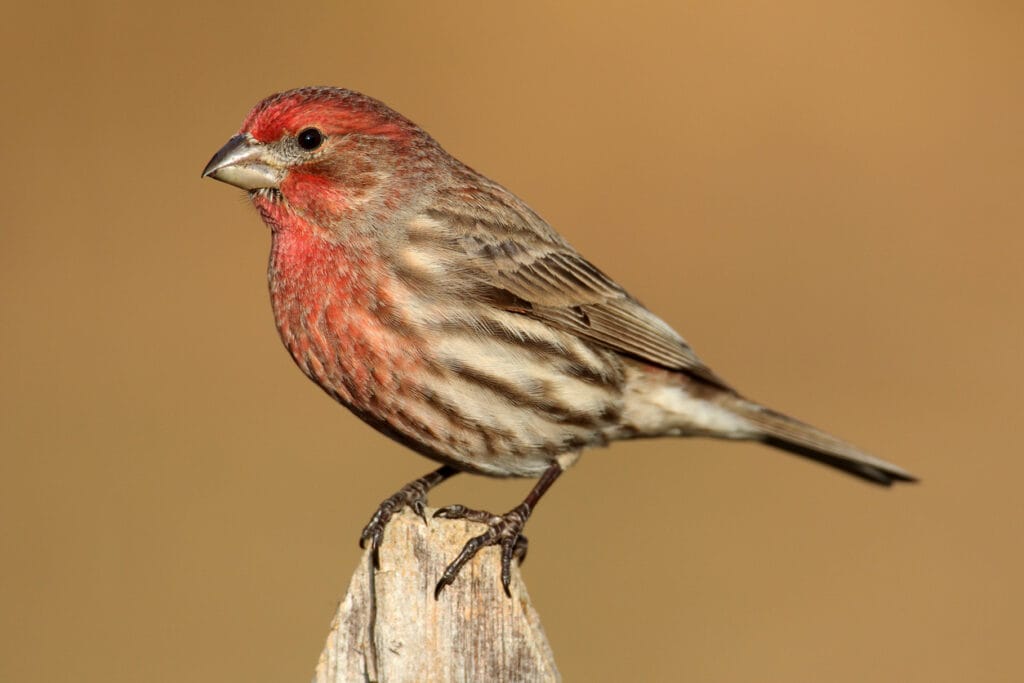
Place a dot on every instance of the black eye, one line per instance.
(310, 139)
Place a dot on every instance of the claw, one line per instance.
(504, 530)
(522, 545)
(471, 548)
(420, 508)
(450, 512)
(414, 496)
(463, 512)
(374, 532)
(508, 549)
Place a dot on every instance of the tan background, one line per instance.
(827, 204)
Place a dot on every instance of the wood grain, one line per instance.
(390, 628)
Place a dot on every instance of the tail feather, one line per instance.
(793, 436)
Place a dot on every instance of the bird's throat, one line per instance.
(327, 299)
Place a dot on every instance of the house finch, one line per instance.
(440, 309)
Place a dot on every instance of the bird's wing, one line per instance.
(530, 269)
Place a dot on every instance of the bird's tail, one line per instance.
(785, 433)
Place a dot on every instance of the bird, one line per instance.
(439, 308)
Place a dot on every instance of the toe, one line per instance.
(452, 512)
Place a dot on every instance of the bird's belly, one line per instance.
(496, 406)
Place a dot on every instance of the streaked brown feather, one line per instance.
(521, 257)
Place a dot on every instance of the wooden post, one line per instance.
(389, 627)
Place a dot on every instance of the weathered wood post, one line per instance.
(389, 627)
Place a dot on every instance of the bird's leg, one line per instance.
(504, 530)
(413, 495)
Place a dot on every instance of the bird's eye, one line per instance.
(310, 139)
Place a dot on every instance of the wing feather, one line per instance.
(514, 251)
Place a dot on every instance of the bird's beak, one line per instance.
(245, 163)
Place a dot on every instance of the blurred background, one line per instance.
(826, 202)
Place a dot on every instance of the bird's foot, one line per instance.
(504, 530)
(413, 495)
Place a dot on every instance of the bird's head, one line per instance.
(324, 152)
